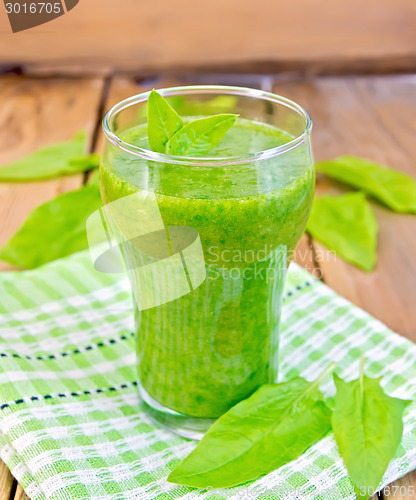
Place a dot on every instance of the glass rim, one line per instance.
(148, 154)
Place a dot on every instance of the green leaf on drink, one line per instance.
(347, 225)
(61, 158)
(162, 122)
(166, 132)
(272, 427)
(389, 186)
(368, 427)
(198, 137)
(54, 229)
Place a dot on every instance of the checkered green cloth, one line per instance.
(71, 424)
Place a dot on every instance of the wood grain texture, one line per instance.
(20, 494)
(6, 482)
(36, 113)
(373, 118)
(402, 489)
(153, 35)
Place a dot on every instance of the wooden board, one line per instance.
(6, 482)
(403, 489)
(36, 113)
(263, 36)
(20, 494)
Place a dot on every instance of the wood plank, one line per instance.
(402, 489)
(6, 482)
(373, 118)
(154, 35)
(36, 113)
(20, 494)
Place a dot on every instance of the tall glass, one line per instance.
(206, 244)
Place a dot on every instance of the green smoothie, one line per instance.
(204, 352)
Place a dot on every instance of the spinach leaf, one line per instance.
(347, 225)
(270, 428)
(393, 188)
(162, 122)
(54, 229)
(61, 158)
(198, 137)
(368, 427)
(86, 162)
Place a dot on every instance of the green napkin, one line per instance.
(71, 424)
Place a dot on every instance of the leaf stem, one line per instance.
(329, 369)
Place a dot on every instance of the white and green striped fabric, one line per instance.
(71, 425)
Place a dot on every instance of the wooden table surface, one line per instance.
(266, 35)
(374, 117)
